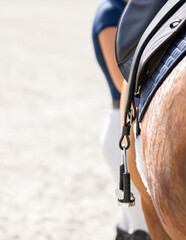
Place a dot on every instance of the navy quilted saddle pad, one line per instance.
(172, 57)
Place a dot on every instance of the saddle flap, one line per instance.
(131, 27)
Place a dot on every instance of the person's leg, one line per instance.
(164, 153)
(107, 15)
(104, 45)
(109, 143)
(133, 212)
(107, 43)
(130, 219)
(133, 215)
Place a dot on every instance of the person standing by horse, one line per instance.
(131, 221)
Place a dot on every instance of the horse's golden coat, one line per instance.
(164, 158)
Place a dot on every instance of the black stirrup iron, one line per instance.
(124, 195)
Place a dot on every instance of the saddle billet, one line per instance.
(170, 11)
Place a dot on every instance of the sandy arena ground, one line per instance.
(54, 182)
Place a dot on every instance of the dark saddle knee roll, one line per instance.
(133, 22)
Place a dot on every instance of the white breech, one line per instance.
(132, 218)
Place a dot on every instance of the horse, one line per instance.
(162, 122)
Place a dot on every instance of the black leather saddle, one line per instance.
(154, 42)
